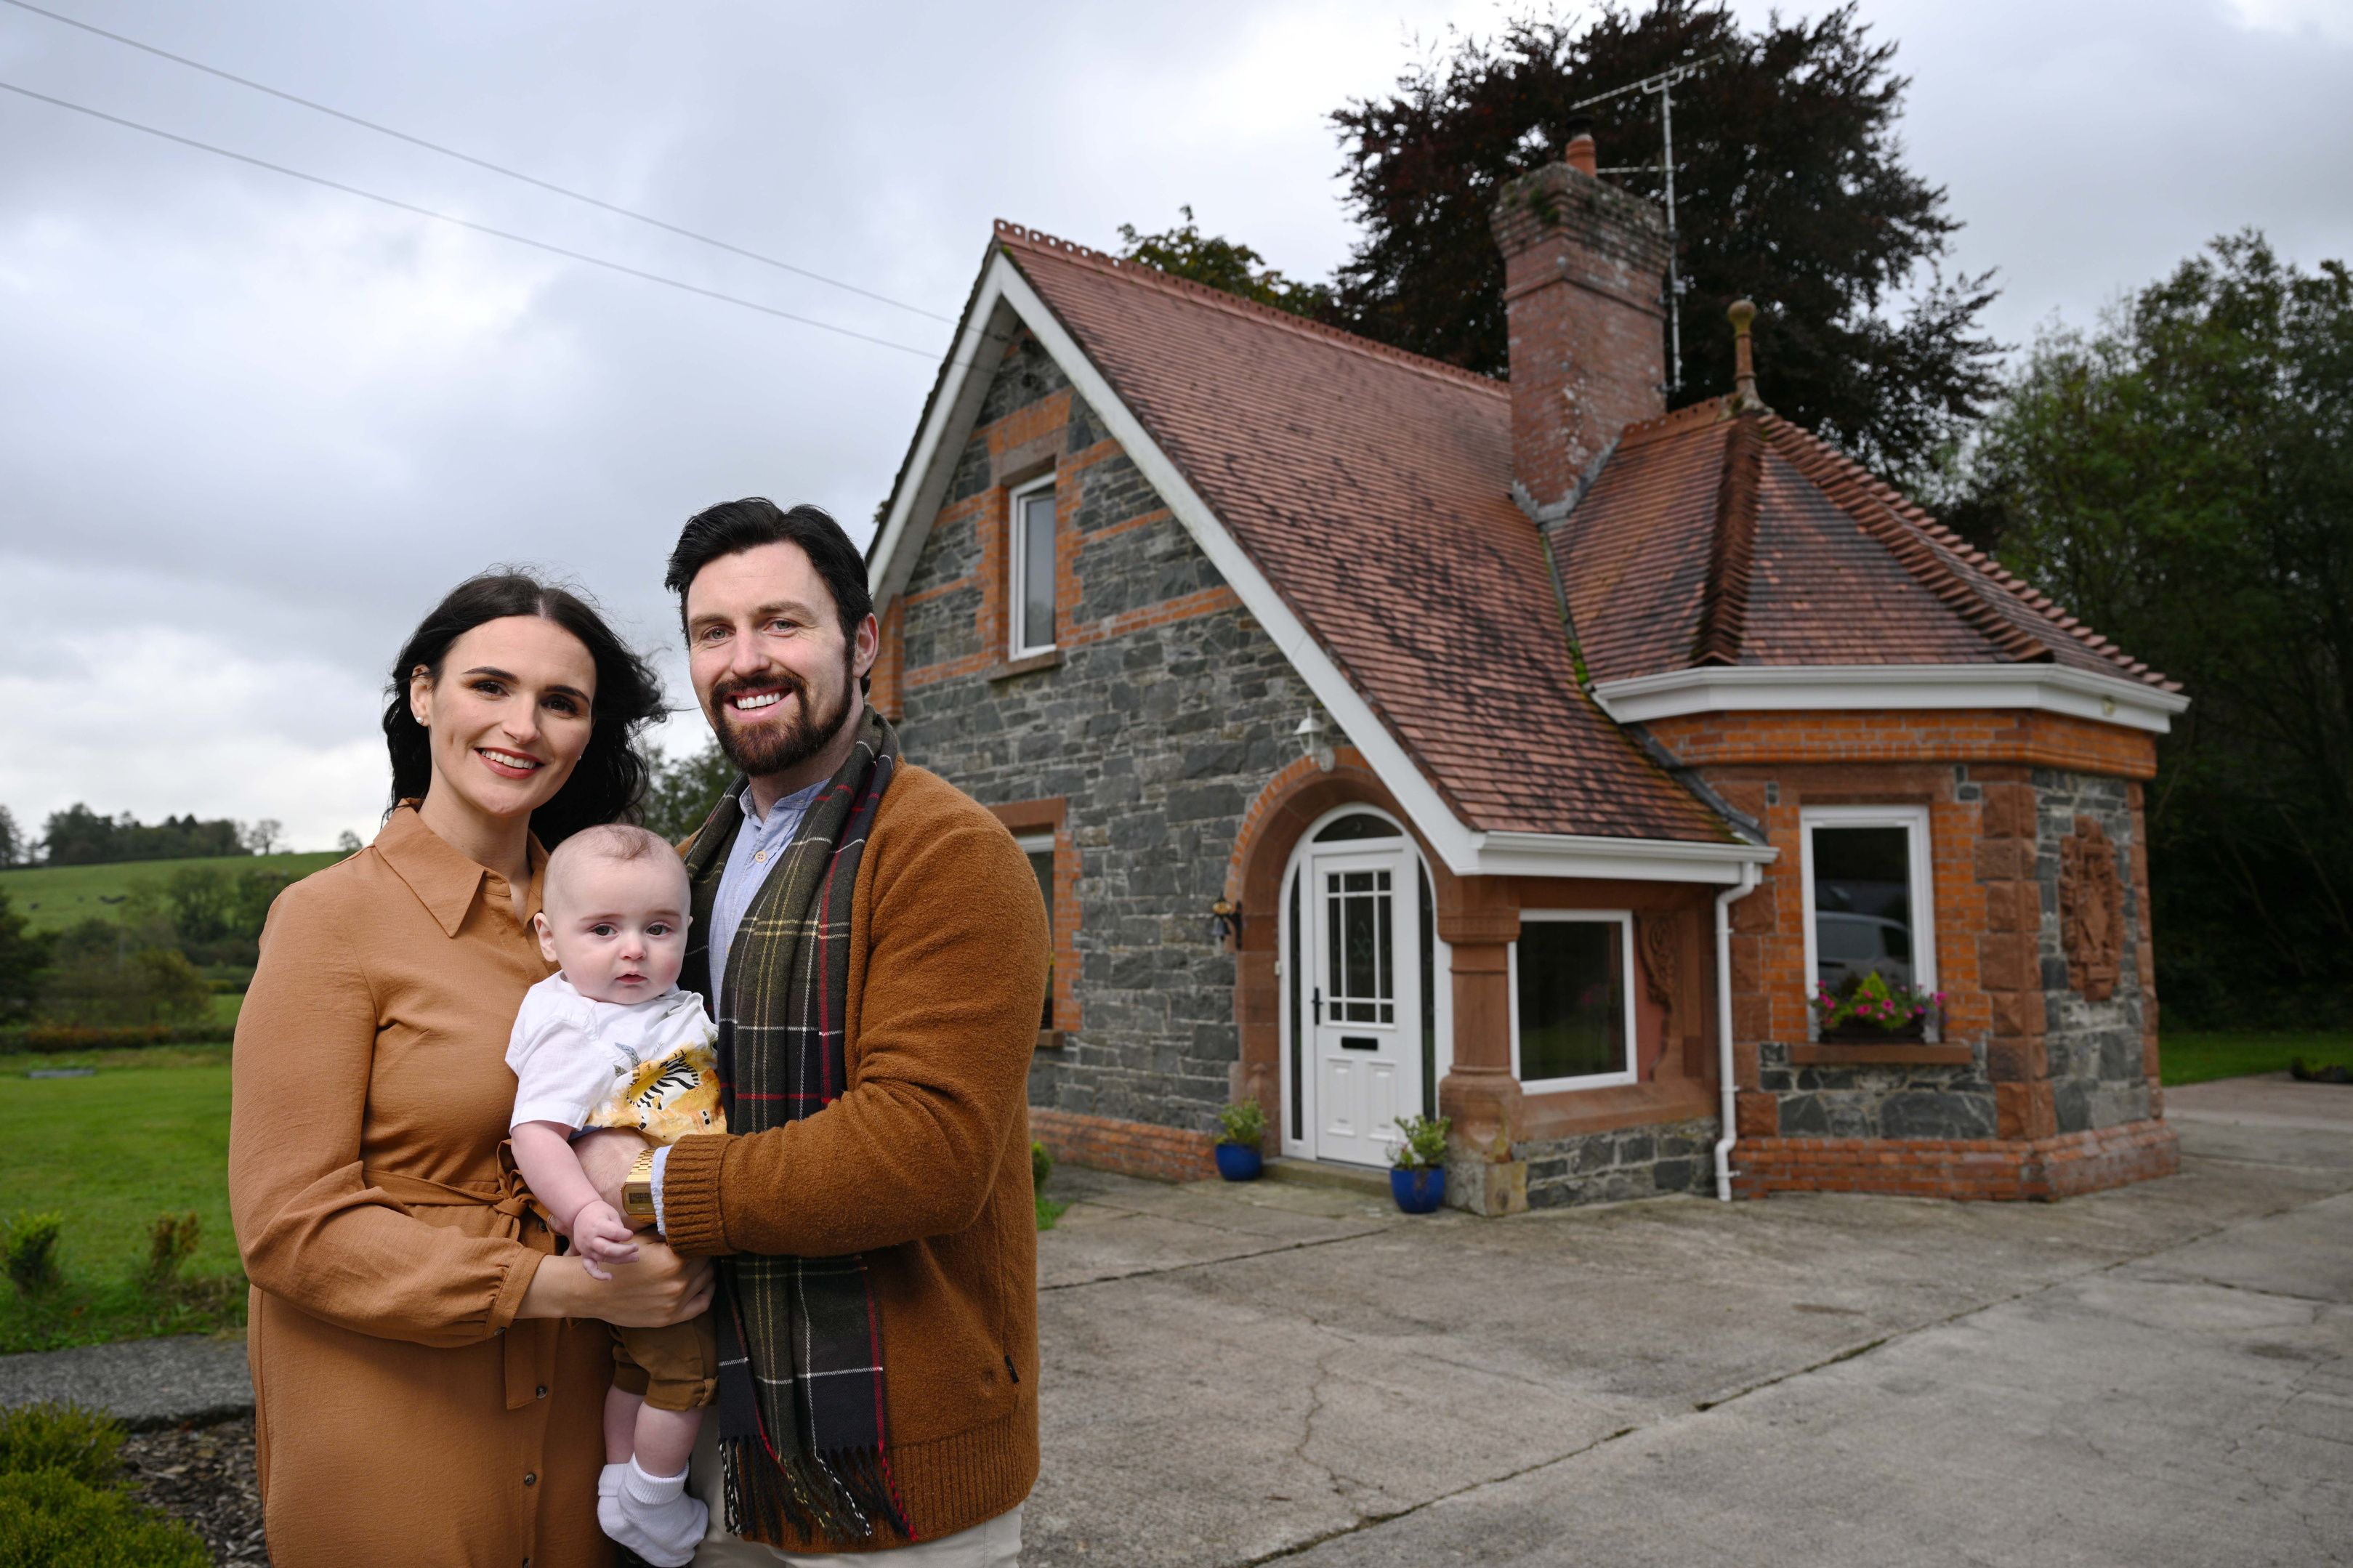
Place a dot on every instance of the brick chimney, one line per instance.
(1585, 269)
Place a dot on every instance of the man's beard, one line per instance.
(772, 748)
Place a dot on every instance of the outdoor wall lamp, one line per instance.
(1226, 921)
(1312, 743)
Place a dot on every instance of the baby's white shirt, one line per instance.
(572, 1053)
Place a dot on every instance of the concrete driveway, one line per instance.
(2158, 1375)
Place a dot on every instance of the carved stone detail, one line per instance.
(1661, 939)
(2091, 911)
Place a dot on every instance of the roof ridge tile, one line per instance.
(1146, 275)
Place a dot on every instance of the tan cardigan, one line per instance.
(923, 1164)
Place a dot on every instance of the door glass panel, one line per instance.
(1862, 905)
(1572, 999)
(1042, 866)
(1363, 986)
(1298, 1022)
(1360, 825)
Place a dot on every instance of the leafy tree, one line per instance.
(1185, 252)
(102, 975)
(264, 836)
(348, 843)
(2182, 478)
(81, 837)
(1791, 190)
(13, 848)
(683, 791)
(22, 957)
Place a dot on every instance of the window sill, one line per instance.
(1028, 664)
(1912, 1055)
(1050, 1039)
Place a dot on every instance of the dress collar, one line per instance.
(444, 881)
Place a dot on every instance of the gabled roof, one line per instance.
(1712, 537)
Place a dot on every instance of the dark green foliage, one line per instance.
(210, 913)
(81, 837)
(1791, 190)
(30, 1243)
(171, 1241)
(71, 1439)
(23, 957)
(1042, 1165)
(2181, 477)
(681, 792)
(14, 850)
(109, 975)
(1186, 252)
(49, 1519)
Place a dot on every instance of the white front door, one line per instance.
(1364, 981)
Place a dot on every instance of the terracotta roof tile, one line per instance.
(1371, 487)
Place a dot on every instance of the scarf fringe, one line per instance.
(838, 1496)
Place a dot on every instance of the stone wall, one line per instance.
(1630, 1162)
(2094, 1047)
(1878, 1101)
(1166, 711)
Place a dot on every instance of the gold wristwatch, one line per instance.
(638, 1191)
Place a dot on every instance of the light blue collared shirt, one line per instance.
(759, 845)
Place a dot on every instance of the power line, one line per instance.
(626, 270)
(478, 162)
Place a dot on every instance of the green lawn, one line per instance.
(2195, 1056)
(52, 897)
(146, 1135)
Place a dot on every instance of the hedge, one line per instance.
(53, 1037)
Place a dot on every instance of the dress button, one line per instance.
(543, 1391)
(531, 1477)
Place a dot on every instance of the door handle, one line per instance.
(1315, 1000)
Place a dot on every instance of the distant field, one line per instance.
(52, 897)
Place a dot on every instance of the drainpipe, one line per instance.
(1750, 875)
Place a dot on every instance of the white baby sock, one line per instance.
(653, 1516)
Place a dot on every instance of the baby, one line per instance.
(611, 1041)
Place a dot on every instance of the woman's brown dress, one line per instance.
(404, 1415)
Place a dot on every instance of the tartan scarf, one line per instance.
(802, 1437)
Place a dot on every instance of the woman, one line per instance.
(425, 1391)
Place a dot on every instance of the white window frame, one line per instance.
(1016, 571)
(1624, 920)
(1041, 841)
(1914, 820)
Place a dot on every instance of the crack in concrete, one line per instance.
(1208, 1262)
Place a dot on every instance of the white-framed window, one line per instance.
(1870, 902)
(1039, 847)
(1030, 575)
(1573, 999)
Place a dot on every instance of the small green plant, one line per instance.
(1423, 1147)
(1243, 1123)
(32, 1252)
(72, 1439)
(1042, 1165)
(171, 1241)
(49, 1518)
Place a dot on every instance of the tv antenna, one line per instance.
(1663, 84)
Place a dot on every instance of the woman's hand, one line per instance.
(657, 1291)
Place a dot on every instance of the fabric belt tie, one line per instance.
(529, 1356)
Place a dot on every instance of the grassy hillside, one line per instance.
(52, 897)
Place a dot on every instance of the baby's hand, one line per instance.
(600, 1236)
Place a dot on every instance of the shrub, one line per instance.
(49, 1518)
(54, 1038)
(171, 1241)
(31, 1245)
(1042, 1165)
(70, 1438)
(1244, 1124)
(103, 978)
(1423, 1147)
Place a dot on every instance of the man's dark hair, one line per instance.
(732, 527)
(608, 783)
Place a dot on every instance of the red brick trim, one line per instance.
(1978, 1168)
(1052, 816)
(1131, 1147)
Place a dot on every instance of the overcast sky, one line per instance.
(251, 428)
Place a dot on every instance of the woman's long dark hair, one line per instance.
(608, 783)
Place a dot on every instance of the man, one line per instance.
(872, 945)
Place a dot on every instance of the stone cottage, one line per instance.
(1388, 739)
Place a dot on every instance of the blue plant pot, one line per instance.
(1239, 1163)
(1417, 1192)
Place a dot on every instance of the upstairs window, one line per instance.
(1573, 998)
(1030, 580)
(1867, 896)
(1039, 848)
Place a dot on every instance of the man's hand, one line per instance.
(600, 1236)
(606, 1156)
